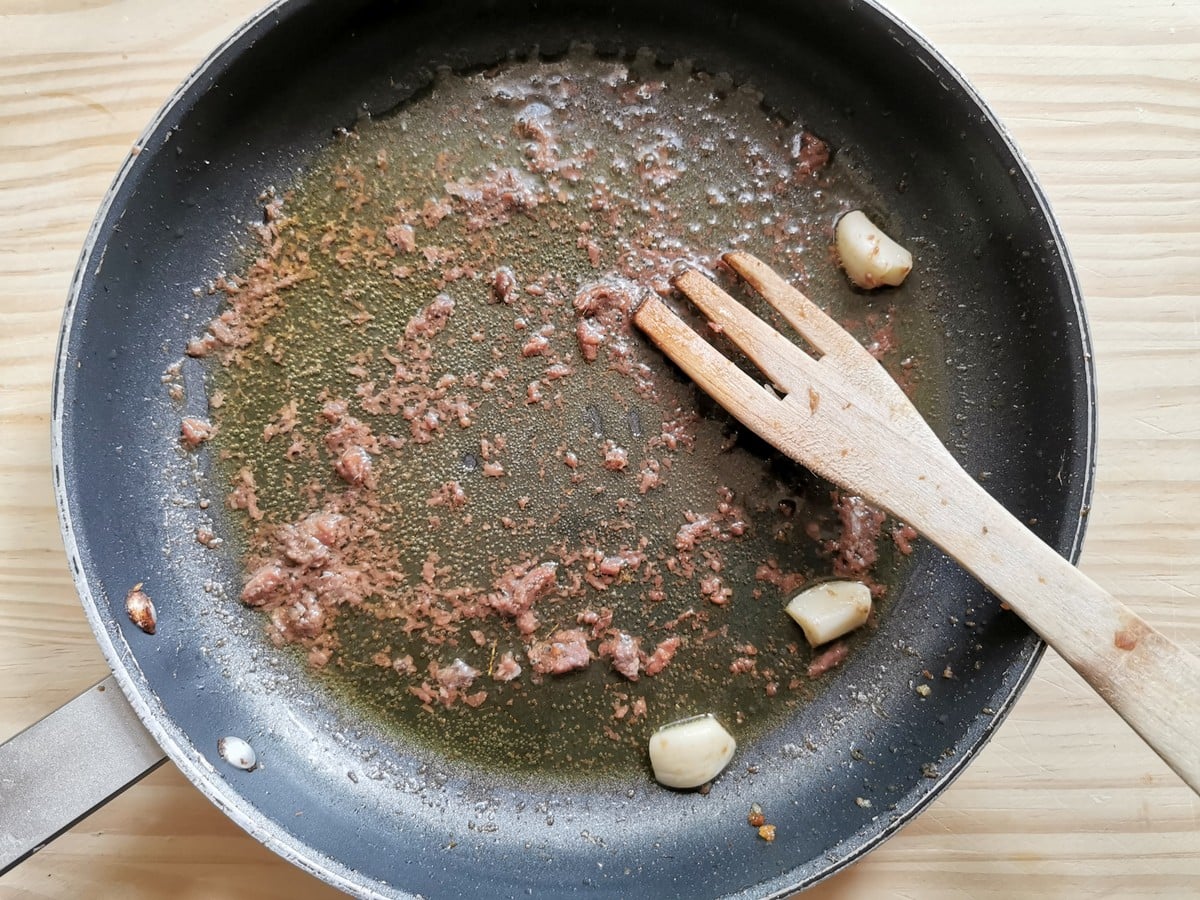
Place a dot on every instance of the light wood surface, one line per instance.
(1104, 98)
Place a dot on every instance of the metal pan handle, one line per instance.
(59, 770)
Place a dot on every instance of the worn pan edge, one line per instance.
(116, 652)
(1025, 170)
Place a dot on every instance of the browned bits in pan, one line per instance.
(140, 608)
(395, 316)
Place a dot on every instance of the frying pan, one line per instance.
(1021, 400)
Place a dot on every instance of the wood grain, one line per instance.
(1104, 98)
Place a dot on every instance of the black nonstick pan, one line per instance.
(340, 796)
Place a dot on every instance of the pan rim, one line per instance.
(224, 795)
(128, 674)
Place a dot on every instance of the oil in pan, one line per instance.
(451, 459)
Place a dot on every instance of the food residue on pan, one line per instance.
(140, 609)
(757, 820)
(465, 488)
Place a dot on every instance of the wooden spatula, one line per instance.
(842, 416)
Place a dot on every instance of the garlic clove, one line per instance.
(869, 256)
(690, 752)
(830, 609)
(237, 753)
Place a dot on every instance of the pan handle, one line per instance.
(60, 769)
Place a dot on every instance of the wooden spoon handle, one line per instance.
(1152, 682)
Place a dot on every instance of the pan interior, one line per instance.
(335, 792)
(609, 175)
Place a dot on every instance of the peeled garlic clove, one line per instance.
(690, 752)
(869, 256)
(828, 610)
(140, 608)
(237, 753)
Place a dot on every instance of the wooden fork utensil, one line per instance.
(843, 417)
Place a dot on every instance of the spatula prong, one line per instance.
(707, 367)
(856, 366)
(778, 358)
(810, 321)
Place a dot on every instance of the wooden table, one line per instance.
(1104, 98)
